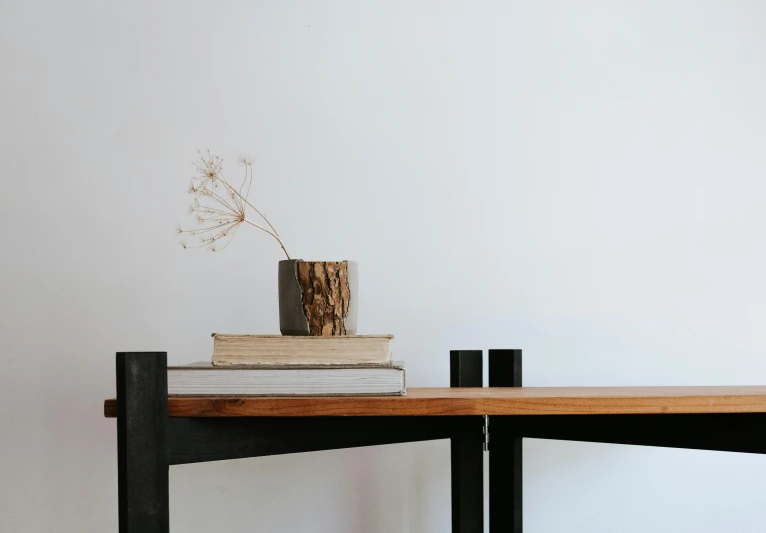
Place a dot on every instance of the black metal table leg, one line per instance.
(467, 459)
(505, 452)
(142, 451)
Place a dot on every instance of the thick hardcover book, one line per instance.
(203, 379)
(289, 350)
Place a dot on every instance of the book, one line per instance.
(293, 350)
(203, 379)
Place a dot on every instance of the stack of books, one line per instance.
(276, 365)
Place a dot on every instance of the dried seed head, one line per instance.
(218, 206)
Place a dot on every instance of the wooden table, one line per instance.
(155, 431)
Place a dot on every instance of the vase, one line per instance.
(317, 298)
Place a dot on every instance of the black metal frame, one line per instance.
(148, 441)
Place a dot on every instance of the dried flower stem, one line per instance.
(225, 207)
(275, 235)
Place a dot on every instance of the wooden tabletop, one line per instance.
(484, 401)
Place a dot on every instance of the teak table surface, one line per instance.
(482, 401)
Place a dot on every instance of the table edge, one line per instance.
(464, 406)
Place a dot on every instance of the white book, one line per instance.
(202, 379)
(295, 350)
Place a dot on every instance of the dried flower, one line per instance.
(220, 208)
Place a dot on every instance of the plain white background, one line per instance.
(582, 180)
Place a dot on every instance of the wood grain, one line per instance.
(484, 401)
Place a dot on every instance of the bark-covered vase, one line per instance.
(317, 298)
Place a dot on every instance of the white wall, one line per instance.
(583, 180)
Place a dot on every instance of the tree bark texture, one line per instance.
(326, 296)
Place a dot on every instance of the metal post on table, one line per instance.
(505, 450)
(142, 442)
(467, 460)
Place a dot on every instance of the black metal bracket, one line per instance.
(197, 440)
(729, 432)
